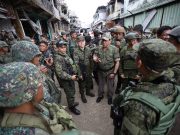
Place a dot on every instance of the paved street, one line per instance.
(94, 117)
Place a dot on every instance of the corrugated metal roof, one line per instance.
(156, 20)
(172, 15)
(139, 18)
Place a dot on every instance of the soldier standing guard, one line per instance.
(66, 74)
(107, 58)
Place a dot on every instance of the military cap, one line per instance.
(61, 43)
(80, 38)
(106, 36)
(176, 33)
(119, 29)
(132, 35)
(157, 54)
(19, 83)
(3, 44)
(24, 51)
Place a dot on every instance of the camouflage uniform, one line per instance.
(128, 65)
(147, 107)
(4, 58)
(24, 51)
(82, 60)
(175, 34)
(64, 69)
(21, 81)
(106, 65)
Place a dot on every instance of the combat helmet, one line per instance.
(157, 54)
(24, 51)
(19, 83)
(132, 35)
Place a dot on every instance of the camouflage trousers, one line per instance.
(69, 89)
(85, 84)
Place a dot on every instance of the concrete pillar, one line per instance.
(18, 26)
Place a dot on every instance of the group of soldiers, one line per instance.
(147, 89)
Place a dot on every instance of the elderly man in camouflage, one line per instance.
(128, 69)
(24, 112)
(150, 107)
(5, 57)
(82, 57)
(107, 58)
(66, 73)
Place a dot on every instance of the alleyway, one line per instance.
(94, 117)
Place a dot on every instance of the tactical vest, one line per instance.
(128, 59)
(11, 120)
(165, 112)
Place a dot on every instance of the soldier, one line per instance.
(24, 111)
(107, 58)
(175, 37)
(175, 40)
(119, 37)
(128, 69)
(139, 30)
(92, 65)
(66, 75)
(113, 35)
(46, 57)
(5, 56)
(82, 57)
(24, 51)
(120, 34)
(149, 107)
(163, 32)
(72, 42)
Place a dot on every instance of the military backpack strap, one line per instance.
(166, 112)
(11, 120)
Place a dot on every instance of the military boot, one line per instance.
(90, 94)
(83, 98)
(74, 110)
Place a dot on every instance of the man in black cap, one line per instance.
(66, 74)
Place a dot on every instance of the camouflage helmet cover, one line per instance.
(18, 84)
(106, 36)
(24, 51)
(157, 54)
(132, 35)
(3, 44)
